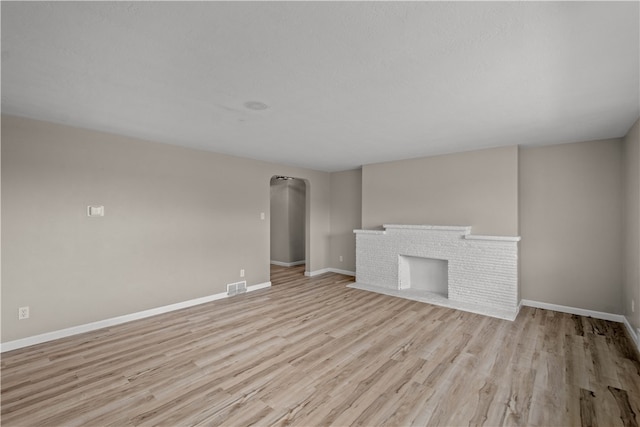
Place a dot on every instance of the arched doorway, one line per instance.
(288, 225)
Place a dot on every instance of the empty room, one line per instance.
(320, 213)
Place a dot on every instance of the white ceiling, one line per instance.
(346, 84)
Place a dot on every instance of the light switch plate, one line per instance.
(95, 210)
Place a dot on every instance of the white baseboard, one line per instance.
(345, 272)
(258, 286)
(590, 313)
(329, 270)
(316, 273)
(573, 310)
(288, 264)
(88, 327)
(634, 336)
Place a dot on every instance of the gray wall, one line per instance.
(297, 199)
(179, 224)
(571, 224)
(288, 199)
(279, 221)
(477, 188)
(346, 214)
(566, 201)
(631, 278)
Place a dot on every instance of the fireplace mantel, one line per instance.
(481, 272)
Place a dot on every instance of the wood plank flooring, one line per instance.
(310, 351)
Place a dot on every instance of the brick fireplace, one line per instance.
(442, 265)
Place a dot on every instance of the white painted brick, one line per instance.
(482, 270)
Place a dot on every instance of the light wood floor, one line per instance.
(310, 351)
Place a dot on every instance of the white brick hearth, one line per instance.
(469, 272)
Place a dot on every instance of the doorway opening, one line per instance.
(288, 227)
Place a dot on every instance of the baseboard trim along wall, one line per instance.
(573, 310)
(329, 270)
(589, 313)
(288, 264)
(633, 334)
(75, 330)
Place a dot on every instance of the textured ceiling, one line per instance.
(346, 84)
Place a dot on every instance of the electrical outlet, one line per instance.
(242, 272)
(23, 313)
(340, 258)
